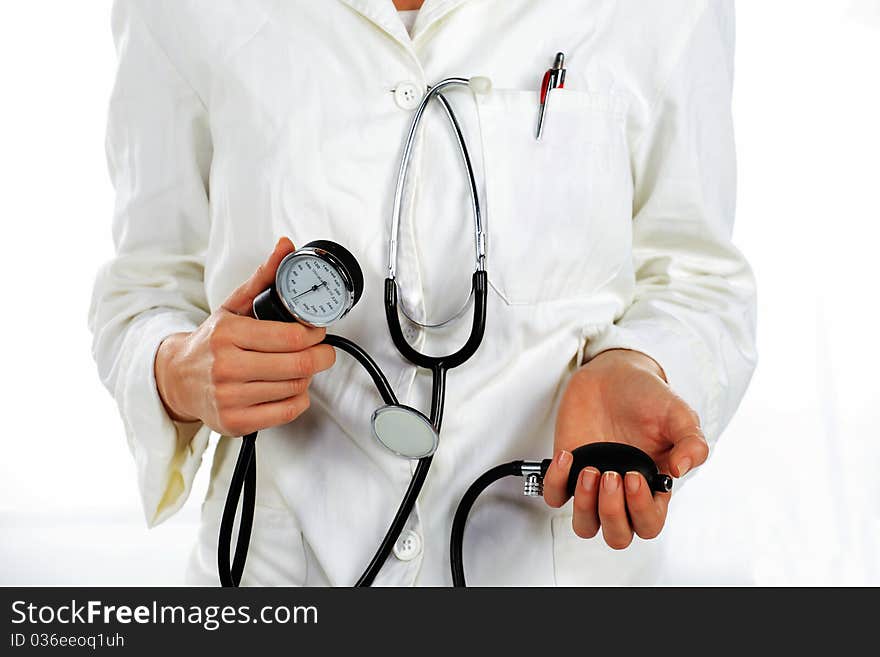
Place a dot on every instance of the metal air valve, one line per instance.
(533, 478)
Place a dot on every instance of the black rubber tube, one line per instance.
(367, 362)
(456, 542)
(480, 287)
(243, 477)
(246, 523)
(397, 525)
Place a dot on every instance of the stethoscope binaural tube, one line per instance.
(477, 85)
(479, 291)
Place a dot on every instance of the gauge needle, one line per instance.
(310, 290)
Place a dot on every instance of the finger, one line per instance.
(274, 337)
(246, 366)
(647, 512)
(689, 447)
(230, 395)
(241, 300)
(585, 517)
(272, 414)
(556, 479)
(612, 512)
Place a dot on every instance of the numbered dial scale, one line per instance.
(316, 285)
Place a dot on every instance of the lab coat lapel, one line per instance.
(383, 14)
(433, 11)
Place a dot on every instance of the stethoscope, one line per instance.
(318, 285)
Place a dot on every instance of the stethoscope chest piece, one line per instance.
(404, 431)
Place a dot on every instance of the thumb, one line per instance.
(241, 300)
(572, 430)
(689, 446)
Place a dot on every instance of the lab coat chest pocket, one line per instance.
(558, 209)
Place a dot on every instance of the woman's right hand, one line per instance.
(238, 374)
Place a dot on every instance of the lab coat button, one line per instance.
(408, 95)
(408, 546)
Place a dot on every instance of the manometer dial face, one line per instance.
(313, 289)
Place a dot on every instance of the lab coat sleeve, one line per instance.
(159, 151)
(693, 310)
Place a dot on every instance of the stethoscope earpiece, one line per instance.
(480, 84)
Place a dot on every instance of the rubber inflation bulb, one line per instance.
(619, 458)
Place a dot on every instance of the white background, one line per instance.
(792, 492)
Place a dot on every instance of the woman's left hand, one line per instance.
(622, 396)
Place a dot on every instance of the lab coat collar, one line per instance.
(383, 14)
(433, 11)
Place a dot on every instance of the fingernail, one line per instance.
(588, 479)
(633, 482)
(611, 481)
(563, 459)
(683, 466)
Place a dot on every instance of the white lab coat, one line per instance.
(235, 122)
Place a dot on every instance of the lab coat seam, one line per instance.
(308, 562)
(666, 79)
(269, 15)
(162, 49)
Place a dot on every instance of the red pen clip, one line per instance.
(554, 78)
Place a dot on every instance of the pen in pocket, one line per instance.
(554, 78)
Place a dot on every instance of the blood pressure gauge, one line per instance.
(315, 285)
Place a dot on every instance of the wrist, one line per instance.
(164, 370)
(633, 358)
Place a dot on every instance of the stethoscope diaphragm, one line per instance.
(404, 431)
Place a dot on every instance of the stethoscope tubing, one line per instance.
(479, 291)
(438, 365)
(244, 474)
